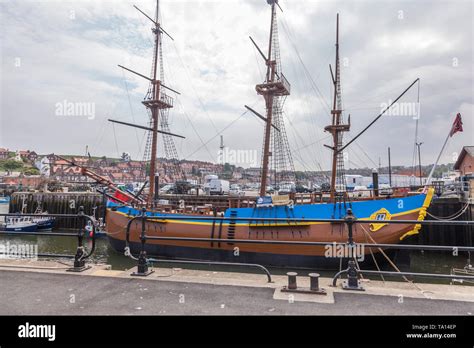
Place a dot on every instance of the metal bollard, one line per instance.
(292, 280)
(352, 282)
(314, 281)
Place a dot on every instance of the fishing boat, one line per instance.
(246, 223)
(18, 224)
(45, 223)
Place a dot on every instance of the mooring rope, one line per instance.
(450, 217)
(373, 258)
(358, 267)
(391, 262)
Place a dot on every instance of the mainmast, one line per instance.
(337, 128)
(275, 86)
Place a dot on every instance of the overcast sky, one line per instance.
(55, 52)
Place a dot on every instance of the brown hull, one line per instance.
(317, 232)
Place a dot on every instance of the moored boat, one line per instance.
(45, 223)
(407, 208)
(242, 223)
(18, 224)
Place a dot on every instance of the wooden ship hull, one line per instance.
(407, 208)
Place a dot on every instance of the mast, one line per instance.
(155, 100)
(154, 110)
(275, 85)
(337, 127)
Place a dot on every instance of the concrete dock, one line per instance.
(46, 288)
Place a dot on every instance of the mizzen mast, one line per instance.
(337, 127)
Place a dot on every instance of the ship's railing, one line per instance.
(285, 82)
(81, 254)
(353, 273)
(166, 99)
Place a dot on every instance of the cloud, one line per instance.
(70, 51)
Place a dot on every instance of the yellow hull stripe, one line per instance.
(422, 214)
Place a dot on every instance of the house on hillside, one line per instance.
(4, 153)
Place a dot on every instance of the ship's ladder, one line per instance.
(231, 227)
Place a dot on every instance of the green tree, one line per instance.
(227, 168)
(12, 165)
(31, 171)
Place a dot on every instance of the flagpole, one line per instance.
(456, 127)
(437, 160)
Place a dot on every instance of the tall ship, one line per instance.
(255, 222)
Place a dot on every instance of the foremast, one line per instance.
(275, 86)
(155, 100)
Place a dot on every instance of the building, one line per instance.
(28, 155)
(465, 162)
(52, 158)
(44, 166)
(64, 173)
(4, 153)
(31, 181)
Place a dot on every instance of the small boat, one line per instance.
(19, 224)
(99, 230)
(45, 223)
(97, 223)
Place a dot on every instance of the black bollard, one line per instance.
(292, 280)
(314, 281)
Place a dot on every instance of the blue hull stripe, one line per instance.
(361, 209)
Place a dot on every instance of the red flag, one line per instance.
(457, 125)
(120, 196)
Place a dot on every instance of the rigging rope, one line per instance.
(218, 133)
(450, 217)
(192, 86)
(323, 101)
(391, 262)
(197, 133)
(131, 112)
(115, 139)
